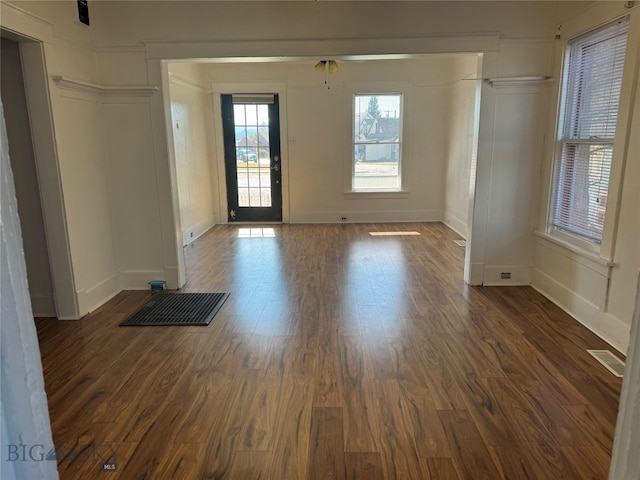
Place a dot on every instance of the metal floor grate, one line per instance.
(178, 309)
(610, 361)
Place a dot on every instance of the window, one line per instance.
(590, 97)
(377, 134)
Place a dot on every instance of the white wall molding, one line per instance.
(138, 279)
(455, 224)
(16, 19)
(197, 230)
(520, 275)
(91, 298)
(536, 81)
(177, 80)
(368, 217)
(67, 83)
(611, 329)
(296, 49)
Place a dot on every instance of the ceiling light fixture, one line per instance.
(327, 67)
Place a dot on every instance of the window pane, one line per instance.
(583, 184)
(591, 99)
(377, 132)
(238, 114)
(263, 114)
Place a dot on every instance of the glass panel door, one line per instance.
(252, 157)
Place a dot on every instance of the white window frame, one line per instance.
(565, 237)
(373, 92)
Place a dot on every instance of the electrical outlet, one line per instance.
(191, 234)
(505, 275)
(344, 219)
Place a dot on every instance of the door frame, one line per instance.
(35, 49)
(248, 88)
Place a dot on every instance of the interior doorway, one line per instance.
(25, 179)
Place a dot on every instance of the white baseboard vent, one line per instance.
(460, 243)
(609, 360)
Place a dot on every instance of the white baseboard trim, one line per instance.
(455, 224)
(171, 277)
(520, 275)
(91, 298)
(43, 305)
(139, 279)
(368, 217)
(611, 329)
(193, 232)
(476, 274)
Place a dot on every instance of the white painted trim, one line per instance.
(16, 19)
(520, 275)
(301, 48)
(101, 90)
(611, 329)
(455, 224)
(476, 272)
(93, 297)
(520, 81)
(171, 277)
(139, 279)
(37, 85)
(177, 80)
(372, 194)
(198, 230)
(369, 217)
(43, 305)
(584, 257)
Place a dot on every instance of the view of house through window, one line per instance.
(377, 137)
(591, 95)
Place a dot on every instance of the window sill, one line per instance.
(582, 255)
(351, 194)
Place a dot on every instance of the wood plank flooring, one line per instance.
(338, 355)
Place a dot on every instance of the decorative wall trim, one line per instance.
(520, 275)
(198, 230)
(91, 88)
(611, 329)
(177, 80)
(368, 217)
(93, 297)
(299, 48)
(138, 279)
(520, 81)
(455, 224)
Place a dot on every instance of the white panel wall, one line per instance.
(80, 131)
(194, 164)
(135, 212)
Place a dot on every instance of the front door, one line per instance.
(251, 128)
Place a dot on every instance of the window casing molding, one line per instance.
(605, 250)
(404, 89)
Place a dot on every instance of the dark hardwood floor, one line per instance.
(338, 355)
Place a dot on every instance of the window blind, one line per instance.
(590, 110)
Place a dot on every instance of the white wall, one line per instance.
(26, 182)
(599, 288)
(460, 141)
(318, 151)
(193, 143)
